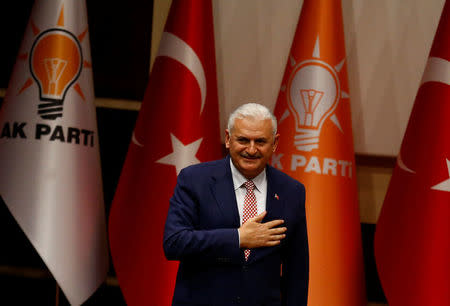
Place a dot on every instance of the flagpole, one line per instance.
(57, 294)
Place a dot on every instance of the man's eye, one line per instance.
(242, 140)
(261, 141)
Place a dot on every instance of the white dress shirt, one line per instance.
(239, 188)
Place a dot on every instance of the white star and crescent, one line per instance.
(437, 70)
(182, 155)
(444, 185)
(135, 141)
(402, 165)
(177, 49)
(174, 47)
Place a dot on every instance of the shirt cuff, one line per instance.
(239, 238)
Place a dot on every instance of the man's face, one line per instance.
(251, 145)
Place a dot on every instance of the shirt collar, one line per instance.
(239, 179)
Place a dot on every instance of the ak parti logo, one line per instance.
(55, 62)
(313, 92)
(312, 101)
(313, 88)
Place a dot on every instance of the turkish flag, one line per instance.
(412, 239)
(178, 125)
(316, 147)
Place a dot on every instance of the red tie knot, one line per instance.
(249, 185)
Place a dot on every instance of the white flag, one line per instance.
(49, 158)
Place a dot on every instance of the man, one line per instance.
(238, 225)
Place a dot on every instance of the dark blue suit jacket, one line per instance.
(201, 232)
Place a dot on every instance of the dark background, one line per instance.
(120, 32)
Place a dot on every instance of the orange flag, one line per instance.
(316, 147)
(412, 240)
(178, 125)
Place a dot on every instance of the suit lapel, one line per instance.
(223, 191)
(274, 203)
(274, 208)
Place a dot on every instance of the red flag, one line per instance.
(316, 147)
(178, 125)
(412, 240)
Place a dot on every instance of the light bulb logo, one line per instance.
(55, 63)
(313, 94)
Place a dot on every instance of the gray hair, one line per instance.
(253, 110)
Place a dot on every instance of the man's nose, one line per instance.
(251, 149)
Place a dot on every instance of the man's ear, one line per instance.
(275, 142)
(227, 138)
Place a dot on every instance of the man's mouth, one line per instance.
(251, 156)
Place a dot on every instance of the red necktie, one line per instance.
(250, 208)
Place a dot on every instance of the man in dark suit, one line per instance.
(238, 225)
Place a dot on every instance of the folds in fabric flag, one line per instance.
(49, 155)
(412, 239)
(316, 147)
(178, 125)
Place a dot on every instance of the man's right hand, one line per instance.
(254, 234)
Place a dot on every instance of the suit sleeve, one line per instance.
(183, 240)
(296, 258)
